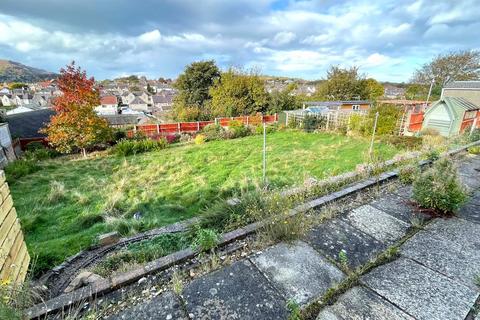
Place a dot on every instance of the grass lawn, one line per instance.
(66, 204)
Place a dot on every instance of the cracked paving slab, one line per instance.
(360, 303)
(297, 270)
(335, 236)
(238, 291)
(377, 223)
(420, 291)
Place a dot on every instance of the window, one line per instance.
(356, 107)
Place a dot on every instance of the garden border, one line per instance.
(105, 286)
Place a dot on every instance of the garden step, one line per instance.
(362, 303)
(446, 257)
(420, 291)
(238, 291)
(377, 224)
(297, 270)
(335, 236)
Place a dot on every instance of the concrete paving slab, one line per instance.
(446, 257)
(470, 211)
(397, 207)
(420, 291)
(238, 291)
(336, 236)
(404, 192)
(360, 303)
(165, 306)
(458, 231)
(475, 199)
(377, 223)
(297, 270)
(471, 182)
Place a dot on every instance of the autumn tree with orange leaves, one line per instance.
(75, 125)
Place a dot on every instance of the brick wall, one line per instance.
(14, 257)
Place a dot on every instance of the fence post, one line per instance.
(198, 126)
(328, 120)
(264, 153)
(134, 128)
(216, 121)
(178, 127)
(247, 120)
(158, 128)
(474, 124)
(373, 134)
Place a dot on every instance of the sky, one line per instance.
(387, 39)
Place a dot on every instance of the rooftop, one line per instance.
(462, 85)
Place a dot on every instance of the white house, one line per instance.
(7, 100)
(138, 104)
(108, 105)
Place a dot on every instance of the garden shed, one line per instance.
(451, 116)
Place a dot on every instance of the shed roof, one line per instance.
(462, 85)
(27, 124)
(457, 106)
(335, 103)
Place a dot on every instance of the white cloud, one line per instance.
(395, 30)
(284, 37)
(150, 37)
(376, 59)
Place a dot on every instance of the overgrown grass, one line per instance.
(103, 194)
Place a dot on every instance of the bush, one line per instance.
(34, 145)
(119, 135)
(205, 239)
(20, 168)
(408, 173)
(129, 147)
(474, 150)
(200, 139)
(439, 189)
(475, 136)
(173, 138)
(236, 129)
(404, 142)
(213, 132)
(270, 128)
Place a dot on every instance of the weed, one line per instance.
(205, 239)
(177, 282)
(294, 308)
(343, 258)
(57, 192)
(439, 188)
(417, 222)
(477, 279)
(20, 168)
(408, 173)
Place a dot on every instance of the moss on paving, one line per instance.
(167, 186)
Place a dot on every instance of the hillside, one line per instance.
(11, 71)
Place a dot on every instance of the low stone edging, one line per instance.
(105, 286)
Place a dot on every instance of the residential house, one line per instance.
(125, 120)
(162, 102)
(5, 90)
(393, 92)
(23, 99)
(108, 105)
(130, 97)
(138, 104)
(451, 116)
(469, 90)
(7, 100)
(350, 105)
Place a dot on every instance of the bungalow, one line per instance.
(108, 105)
(451, 116)
(469, 90)
(350, 105)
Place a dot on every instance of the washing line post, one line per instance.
(264, 154)
(373, 133)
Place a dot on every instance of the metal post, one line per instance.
(430, 90)
(264, 153)
(373, 133)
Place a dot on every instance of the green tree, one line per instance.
(348, 84)
(193, 85)
(150, 89)
(238, 93)
(283, 100)
(455, 65)
(416, 91)
(17, 85)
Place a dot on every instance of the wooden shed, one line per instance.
(451, 116)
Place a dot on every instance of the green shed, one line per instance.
(451, 116)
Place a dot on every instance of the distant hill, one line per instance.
(11, 71)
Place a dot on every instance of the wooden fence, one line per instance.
(14, 257)
(165, 129)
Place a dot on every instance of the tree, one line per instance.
(193, 86)
(75, 124)
(373, 89)
(348, 84)
(455, 65)
(416, 91)
(18, 85)
(283, 100)
(150, 89)
(238, 93)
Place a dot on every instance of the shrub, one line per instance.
(173, 138)
(429, 132)
(129, 147)
(270, 128)
(200, 139)
(236, 129)
(404, 142)
(119, 135)
(432, 155)
(475, 136)
(408, 173)
(20, 168)
(205, 239)
(185, 137)
(34, 145)
(439, 189)
(213, 132)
